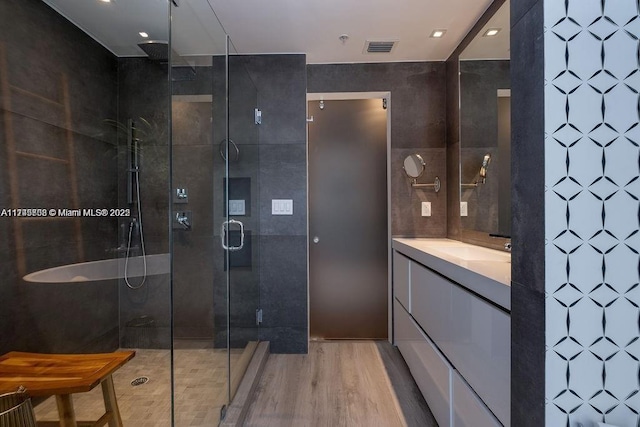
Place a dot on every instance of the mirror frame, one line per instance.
(417, 158)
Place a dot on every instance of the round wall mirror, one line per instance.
(414, 166)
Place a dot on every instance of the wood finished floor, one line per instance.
(339, 383)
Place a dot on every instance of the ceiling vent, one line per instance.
(379, 46)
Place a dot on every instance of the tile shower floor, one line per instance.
(200, 383)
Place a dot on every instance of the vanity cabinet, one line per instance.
(469, 410)
(456, 344)
(429, 368)
(401, 266)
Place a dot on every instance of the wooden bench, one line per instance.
(61, 375)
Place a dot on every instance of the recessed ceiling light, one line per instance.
(143, 34)
(491, 32)
(436, 34)
(106, 1)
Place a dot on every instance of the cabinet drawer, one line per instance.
(468, 409)
(401, 282)
(430, 370)
(473, 334)
(432, 302)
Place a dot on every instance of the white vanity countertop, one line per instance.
(486, 272)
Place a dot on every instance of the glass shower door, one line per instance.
(200, 351)
(242, 208)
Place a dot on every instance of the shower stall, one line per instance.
(129, 200)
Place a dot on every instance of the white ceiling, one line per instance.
(281, 26)
(314, 27)
(496, 47)
(116, 25)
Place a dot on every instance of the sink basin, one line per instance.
(469, 253)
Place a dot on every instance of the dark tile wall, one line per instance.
(193, 154)
(48, 59)
(244, 183)
(143, 97)
(143, 89)
(417, 126)
(281, 83)
(199, 280)
(528, 213)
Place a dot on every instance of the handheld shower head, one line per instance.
(486, 160)
(484, 167)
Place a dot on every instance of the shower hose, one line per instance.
(144, 254)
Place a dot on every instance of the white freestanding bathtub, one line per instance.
(102, 270)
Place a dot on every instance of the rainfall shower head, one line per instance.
(156, 50)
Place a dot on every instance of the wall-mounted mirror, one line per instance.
(414, 166)
(485, 129)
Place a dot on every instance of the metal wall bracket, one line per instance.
(474, 185)
(258, 316)
(258, 116)
(436, 184)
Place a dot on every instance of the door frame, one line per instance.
(339, 96)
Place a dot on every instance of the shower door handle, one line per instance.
(225, 229)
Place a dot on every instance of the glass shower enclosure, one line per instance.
(137, 161)
(215, 170)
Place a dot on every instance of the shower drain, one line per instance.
(139, 381)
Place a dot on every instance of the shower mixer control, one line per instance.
(181, 195)
(182, 220)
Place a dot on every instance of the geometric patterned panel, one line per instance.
(592, 212)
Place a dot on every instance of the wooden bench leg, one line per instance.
(110, 402)
(65, 410)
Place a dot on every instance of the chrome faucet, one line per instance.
(507, 246)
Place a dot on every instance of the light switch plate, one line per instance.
(463, 209)
(426, 208)
(281, 207)
(236, 207)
